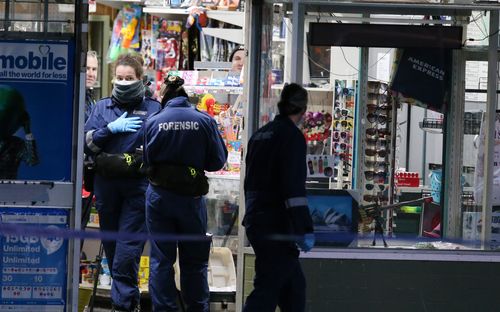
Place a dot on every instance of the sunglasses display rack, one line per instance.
(376, 165)
(343, 133)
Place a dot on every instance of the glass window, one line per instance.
(29, 16)
(377, 120)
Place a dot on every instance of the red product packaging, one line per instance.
(409, 179)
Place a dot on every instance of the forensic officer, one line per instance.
(277, 217)
(111, 136)
(180, 144)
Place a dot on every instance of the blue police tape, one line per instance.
(16, 229)
(339, 238)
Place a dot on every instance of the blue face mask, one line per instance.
(128, 92)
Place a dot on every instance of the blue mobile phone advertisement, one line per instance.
(33, 266)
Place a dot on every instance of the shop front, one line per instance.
(402, 148)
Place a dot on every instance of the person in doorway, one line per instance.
(90, 81)
(88, 173)
(276, 207)
(180, 144)
(112, 137)
(237, 59)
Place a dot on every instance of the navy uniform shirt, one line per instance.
(99, 138)
(182, 135)
(275, 193)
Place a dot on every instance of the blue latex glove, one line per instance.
(124, 124)
(306, 242)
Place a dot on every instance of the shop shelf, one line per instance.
(280, 86)
(163, 11)
(231, 17)
(213, 175)
(205, 89)
(118, 4)
(233, 35)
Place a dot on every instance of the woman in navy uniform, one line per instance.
(111, 137)
(180, 144)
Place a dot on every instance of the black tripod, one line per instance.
(374, 211)
(98, 260)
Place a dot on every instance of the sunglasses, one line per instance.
(375, 176)
(377, 87)
(375, 108)
(375, 198)
(374, 98)
(343, 91)
(341, 135)
(377, 118)
(375, 132)
(343, 123)
(375, 140)
(342, 112)
(342, 157)
(371, 186)
(341, 146)
(377, 145)
(380, 165)
(373, 152)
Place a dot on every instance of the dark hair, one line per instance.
(238, 48)
(172, 89)
(293, 100)
(133, 60)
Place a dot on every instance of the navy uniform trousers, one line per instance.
(121, 204)
(279, 280)
(169, 213)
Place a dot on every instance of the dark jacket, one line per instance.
(275, 193)
(181, 135)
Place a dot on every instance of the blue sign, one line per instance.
(33, 268)
(36, 110)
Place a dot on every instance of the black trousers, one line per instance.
(279, 280)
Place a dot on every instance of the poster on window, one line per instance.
(479, 172)
(33, 267)
(36, 109)
(321, 166)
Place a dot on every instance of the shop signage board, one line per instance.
(36, 117)
(33, 267)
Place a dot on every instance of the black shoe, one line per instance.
(136, 309)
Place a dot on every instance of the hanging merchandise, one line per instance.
(424, 74)
(147, 49)
(191, 36)
(126, 28)
(167, 35)
(316, 129)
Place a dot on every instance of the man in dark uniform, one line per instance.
(276, 207)
(180, 143)
(90, 80)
